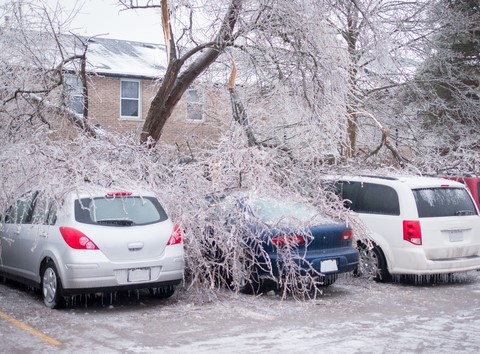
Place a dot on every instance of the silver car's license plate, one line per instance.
(139, 274)
(329, 265)
(455, 235)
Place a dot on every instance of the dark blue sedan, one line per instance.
(284, 243)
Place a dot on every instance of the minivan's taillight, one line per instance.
(412, 232)
(291, 239)
(77, 239)
(347, 235)
(176, 236)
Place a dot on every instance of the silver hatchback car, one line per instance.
(95, 241)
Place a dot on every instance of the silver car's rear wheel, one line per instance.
(52, 291)
(162, 293)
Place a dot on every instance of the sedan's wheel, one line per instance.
(249, 281)
(373, 263)
(327, 280)
(252, 285)
(162, 293)
(52, 291)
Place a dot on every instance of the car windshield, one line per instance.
(272, 211)
(437, 202)
(119, 211)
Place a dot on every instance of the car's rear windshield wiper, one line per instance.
(464, 212)
(116, 222)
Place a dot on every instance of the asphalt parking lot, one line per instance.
(352, 316)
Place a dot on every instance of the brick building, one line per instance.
(123, 79)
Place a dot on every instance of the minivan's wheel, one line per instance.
(162, 293)
(373, 263)
(52, 291)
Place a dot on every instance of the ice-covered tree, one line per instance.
(311, 75)
(449, 79)
(33, 62)
(443, 99)
(383, 40)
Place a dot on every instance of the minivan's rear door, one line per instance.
(449, 222)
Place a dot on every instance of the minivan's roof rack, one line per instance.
(381, 177)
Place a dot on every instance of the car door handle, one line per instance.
(135, 246)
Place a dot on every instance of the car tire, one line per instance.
(373, 263)
(51, 287)
(327, 280)
(251, 284)
(163, 292)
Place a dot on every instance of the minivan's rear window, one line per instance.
(437, 202)
(119, 211)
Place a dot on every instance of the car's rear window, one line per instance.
(438, 202)
(119, 211)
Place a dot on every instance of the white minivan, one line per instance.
(419, 225)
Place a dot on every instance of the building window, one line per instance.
(73, 90)
(194, 105)
(130, 102)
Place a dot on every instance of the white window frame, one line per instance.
(138, 99)
(73, 91)
(195, 106)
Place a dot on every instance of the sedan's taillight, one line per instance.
(283, 240)
(176, 236)
(412, 232)
(347, 235)
(77, 239)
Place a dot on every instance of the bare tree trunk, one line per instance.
(386, 141)
(175, 83)
(351, 36)
(351, 134)
(238, 110)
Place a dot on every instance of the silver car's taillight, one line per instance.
(77, 239)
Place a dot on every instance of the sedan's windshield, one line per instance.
(438, 202)
(119, 211)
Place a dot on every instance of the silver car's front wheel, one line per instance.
(52, 292)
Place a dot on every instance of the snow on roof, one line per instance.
(116, 57)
